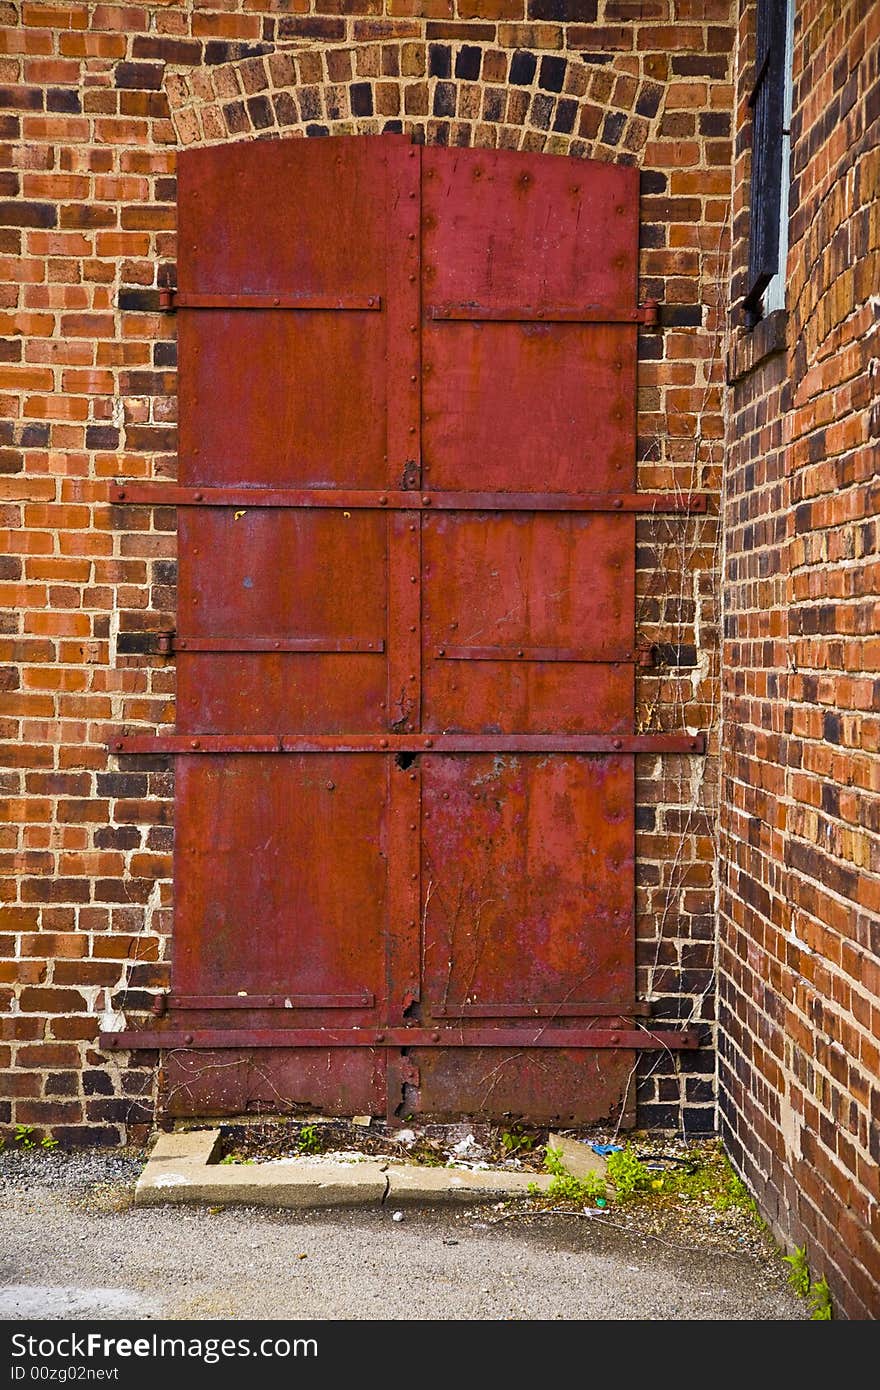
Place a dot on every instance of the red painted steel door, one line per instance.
(405, 803)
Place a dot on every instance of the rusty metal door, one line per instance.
(404, 863)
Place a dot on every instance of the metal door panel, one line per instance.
(513, 407)
(527, 884)
(260, 693)
(275, 218)
(281, 875)
(384, 907)
(565, 1086)
(521, 231)
(534, 697)
(214, 1082)
(258, 403)
(528, 622)
(317, 578)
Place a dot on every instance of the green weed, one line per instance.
(513, 1142)
(567, 1188)
(815, 1291)
(25, 1138)
(628, 1173)
(308, 1141)
(799, 1277)
(819, 1300)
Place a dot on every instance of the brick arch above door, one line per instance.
(460, 93)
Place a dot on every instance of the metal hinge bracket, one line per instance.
(412, 476)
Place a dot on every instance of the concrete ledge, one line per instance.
(415, 1183)
(181, 1168)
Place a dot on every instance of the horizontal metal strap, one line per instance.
(469, 311)
(619, 653)
(408, 743)
(564, 1009)
(155, 494)
(519, 1036)
(183, 299)
(366, 1000)
(275, 644)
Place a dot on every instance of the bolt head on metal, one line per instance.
(194, 743)
(383, 743)
(383, 501)
(187, 1037)
(331, 786)
(616, 743)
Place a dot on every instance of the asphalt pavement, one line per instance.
(76, 1248)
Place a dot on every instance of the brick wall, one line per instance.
(95, 101)
(800, 853)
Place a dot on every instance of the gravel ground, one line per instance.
(75, 1247)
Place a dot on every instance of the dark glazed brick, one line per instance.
(28, 215)
(165, 354)
(467, 64)
(361, 99)
(285, 109)
(494, 102)
(566, 115)
(181, 52)
(439, 60)
(648, 100)
(218, 52)
(444, 99)
(260, 112)
(236, 118)
(523, 67)
(564, 11)
(612, 127)
(143, 301)
(552, 74)
(139, 76)
(63, 99)
(102, 437)
(309, 28)
(22, 98)
(682, 315)
(97, 1083)
(541, 110)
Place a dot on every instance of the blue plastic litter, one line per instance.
(605, 1149)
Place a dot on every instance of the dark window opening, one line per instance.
(770, 101)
